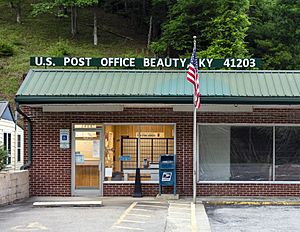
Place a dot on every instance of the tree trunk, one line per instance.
(150, 32)
(74, 21)
(18, 12)
(125, 6)
(95, 26)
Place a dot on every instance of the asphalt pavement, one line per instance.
(116, 215)
(250, 218)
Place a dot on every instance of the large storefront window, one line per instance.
(287, 153)
(128, 147)
(245, 153)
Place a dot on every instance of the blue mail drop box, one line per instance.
(167, 171)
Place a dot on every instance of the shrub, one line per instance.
(3, 157)
(6, 49)
(61, 48)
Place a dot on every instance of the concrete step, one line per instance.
(68, 204)
(167, 196)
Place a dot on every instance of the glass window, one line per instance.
(19, 148)
(7, 147)
(128, 147)
(251, 153)
(235, 153)
(287, 149)
(87, 156)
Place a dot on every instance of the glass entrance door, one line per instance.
(87, 156)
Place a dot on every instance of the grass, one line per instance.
(40, 36)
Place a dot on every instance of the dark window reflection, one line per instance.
(287, 153)
(251, 153)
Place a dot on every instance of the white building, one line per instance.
(11, 137)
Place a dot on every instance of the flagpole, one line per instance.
(194, 145)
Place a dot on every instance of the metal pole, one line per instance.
(194, 146)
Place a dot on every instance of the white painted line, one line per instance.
(181, 209)
(126, 212)
(156, 206)
(178, 204)
(33, 226)
(193, 217)
(138, 215)
(144, 210)
(179, 213)
(152, 202)
(129, 228)
(133, 221)
(179, 219)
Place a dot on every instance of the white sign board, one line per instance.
(64, 138)
(108, 172)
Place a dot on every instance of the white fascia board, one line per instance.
(82, 108)
(215, 108)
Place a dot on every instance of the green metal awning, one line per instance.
(158, 86)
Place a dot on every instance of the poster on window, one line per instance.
(96, 149)
(166, 176)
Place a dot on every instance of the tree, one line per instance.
(3, 157)
(185, 18)
(227, 31)
(49, 7)
(274, 34)
(16, 5)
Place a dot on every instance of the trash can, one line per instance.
(167, 172)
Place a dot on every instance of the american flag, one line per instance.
(193, 77)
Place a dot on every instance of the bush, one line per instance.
(61, 48)
(6, 49)
(3, 157)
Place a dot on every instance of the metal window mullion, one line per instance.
(152, 150)
(139, 147)
(274, 153)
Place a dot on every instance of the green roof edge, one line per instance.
(157, 100)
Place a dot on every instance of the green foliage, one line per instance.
(61, 48)
(5, 49)
(47, 6)
(3, 157)
(275, 34)
(228, 30)
(186, 18)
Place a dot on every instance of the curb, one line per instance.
(287, 203)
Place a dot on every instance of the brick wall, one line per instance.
(248, 190)
(50, 173)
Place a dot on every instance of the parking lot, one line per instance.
(254, 218)
(117, 215)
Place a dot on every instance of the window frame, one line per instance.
(9, 154)
(19, 148)
(273, 125)
(138, 124)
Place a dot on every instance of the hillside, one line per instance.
(47, 35)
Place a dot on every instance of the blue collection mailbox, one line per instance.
(167, 172)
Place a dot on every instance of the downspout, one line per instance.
(29, 162)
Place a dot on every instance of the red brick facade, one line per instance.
(50, 173)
